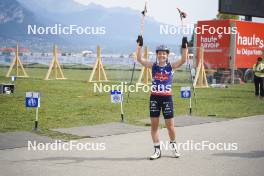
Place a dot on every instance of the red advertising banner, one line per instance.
(249, 43)
(214, 36)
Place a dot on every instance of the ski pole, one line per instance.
(141, 33)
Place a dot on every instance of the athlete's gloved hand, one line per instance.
(140, 40)
(183, 14)
(184, 42)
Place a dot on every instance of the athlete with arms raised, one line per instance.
(161, 92)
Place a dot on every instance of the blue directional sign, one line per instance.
(13, 78)
(32, 99)
(185, 92)
(116, 96)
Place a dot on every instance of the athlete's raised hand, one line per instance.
(140, 40)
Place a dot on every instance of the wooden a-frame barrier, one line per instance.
(55, 67)
(200, 80)
(145, 73)
(98, 68)
(18, 66)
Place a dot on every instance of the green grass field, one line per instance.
(72, 102)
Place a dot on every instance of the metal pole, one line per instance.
(122, 112)
(232, 55)
(190, 106)
(36, 121)
(192, 86)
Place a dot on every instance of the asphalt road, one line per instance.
(127, 154)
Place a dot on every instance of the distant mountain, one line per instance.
(45, 7)
(13, 17)
(14, 21)
(122, 25)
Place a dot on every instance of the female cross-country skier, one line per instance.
(161, 92)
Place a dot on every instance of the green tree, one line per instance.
(225, 16)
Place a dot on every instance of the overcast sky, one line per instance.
(165, 10)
